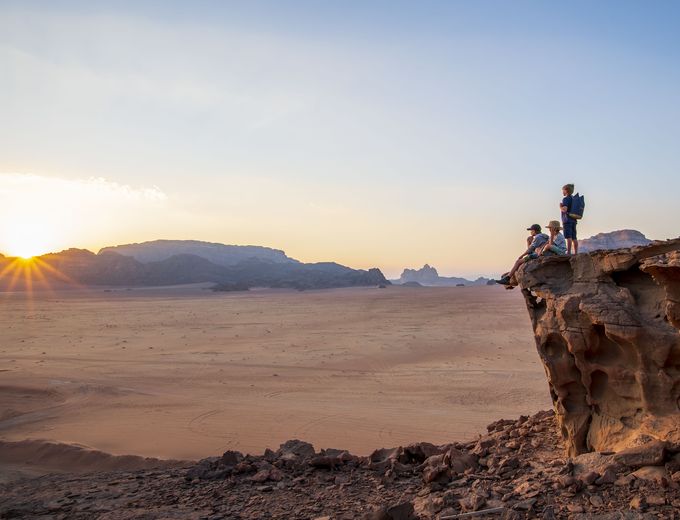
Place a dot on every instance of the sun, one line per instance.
(26, 254)
(28, 236)
(26, 250)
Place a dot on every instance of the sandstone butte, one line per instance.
(607, 325)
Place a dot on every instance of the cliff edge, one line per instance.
(607, 329)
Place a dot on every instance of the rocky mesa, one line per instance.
(607, 326)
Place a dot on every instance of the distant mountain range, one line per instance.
(220, 254)
(428, 276)
(613, 240)
(170, 262)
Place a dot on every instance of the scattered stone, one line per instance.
(548, 513)
(655, 500)
(434, 473)
(637, 503)
(472, 502)
(590, 477)
(403, 511)
(608, 477)
(596, 501)
(421, 481)
(525, 505)
(565, 481)
(427, 506)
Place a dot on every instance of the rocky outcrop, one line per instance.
(428, 276)
(607, 331)
(623, 238)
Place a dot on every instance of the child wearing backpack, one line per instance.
(568, 221)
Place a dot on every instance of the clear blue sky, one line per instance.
(384, 134)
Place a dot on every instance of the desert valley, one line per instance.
(185, 373)
(339, 260)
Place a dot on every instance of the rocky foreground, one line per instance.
(516, 470)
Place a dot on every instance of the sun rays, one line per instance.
(28, 274)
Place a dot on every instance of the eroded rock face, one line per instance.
(607, 330)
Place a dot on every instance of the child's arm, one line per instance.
(530, 248)
(563, 207)
(547, 246)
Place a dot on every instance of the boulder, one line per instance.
(649, 454)
(332, 458)
(296, 449)
(383, 459)
(656, 474)
(417, 453)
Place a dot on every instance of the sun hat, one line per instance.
(534, 227)
(554, 224)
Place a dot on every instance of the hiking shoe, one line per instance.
(503, 281)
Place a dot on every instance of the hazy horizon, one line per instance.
(388, 274)
(380, 134)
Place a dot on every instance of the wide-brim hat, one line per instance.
(554, 224)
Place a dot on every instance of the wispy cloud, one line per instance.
(42, 213)
(31, 189)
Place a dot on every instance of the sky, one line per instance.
(382, 134)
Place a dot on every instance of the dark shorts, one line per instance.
(570, 229)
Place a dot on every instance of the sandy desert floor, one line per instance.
(187, 373)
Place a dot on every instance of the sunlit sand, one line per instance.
(187, 373)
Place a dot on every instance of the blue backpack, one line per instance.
(578, 204)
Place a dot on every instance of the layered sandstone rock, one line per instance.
(607, 330)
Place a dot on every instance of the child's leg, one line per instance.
(570, 235)
(556, 250)
(575, 239)
(515, 267)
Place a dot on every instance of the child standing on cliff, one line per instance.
(568, 222)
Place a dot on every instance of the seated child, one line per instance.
(556, 245)
(539, 240)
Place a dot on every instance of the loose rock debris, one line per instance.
(516, 470)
